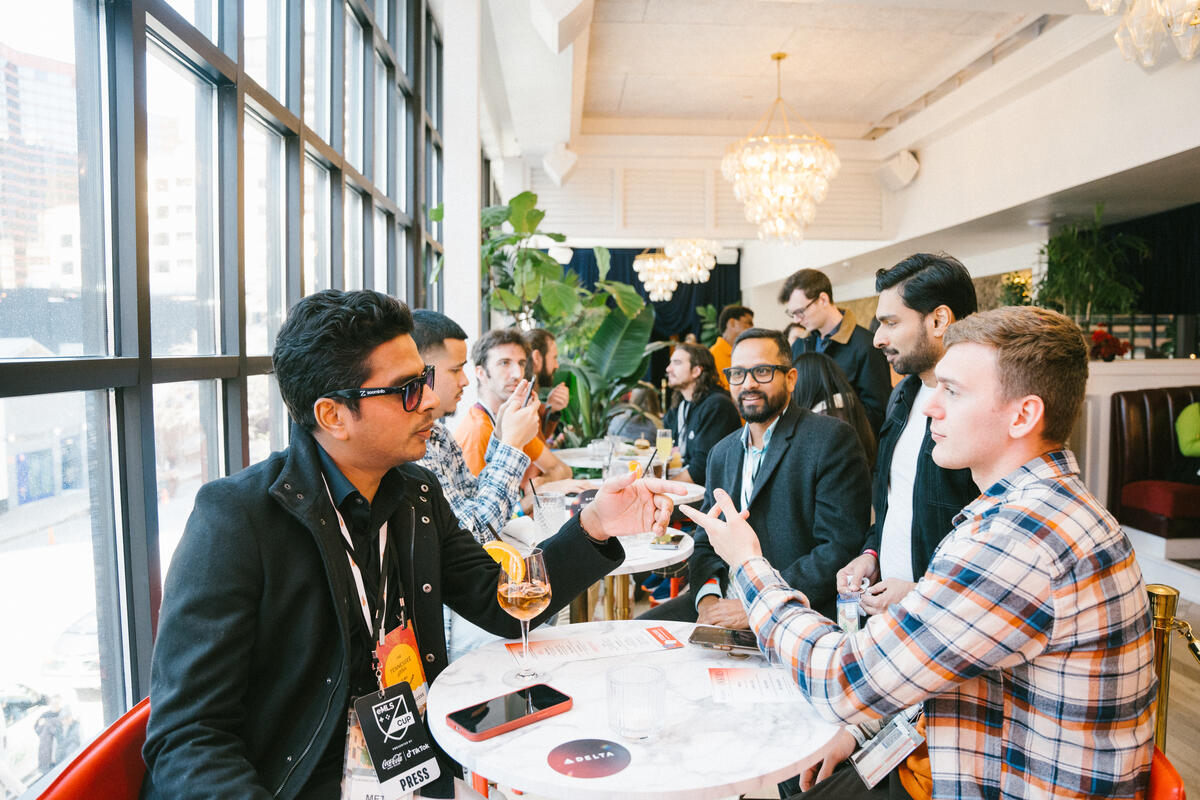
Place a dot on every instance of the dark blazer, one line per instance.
(809, 506)
(249, 679)
(853, 348)
(710, 419)
(938, 494)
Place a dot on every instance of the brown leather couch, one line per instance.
(1143, 455)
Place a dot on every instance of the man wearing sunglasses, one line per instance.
(803, 476)
(289, 572)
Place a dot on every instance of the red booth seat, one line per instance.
(111, 767)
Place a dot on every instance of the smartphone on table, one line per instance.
(670, 544)
(508, 712)
(730, 641)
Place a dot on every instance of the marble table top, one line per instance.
(706, 750)
(695, 492)
(640, 557)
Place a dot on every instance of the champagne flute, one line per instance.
(662, 441)
(524, 592)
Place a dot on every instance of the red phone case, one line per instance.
(512, 725)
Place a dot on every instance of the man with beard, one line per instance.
(543, 362)
(500, 357)
(702, 413)
(802, 476)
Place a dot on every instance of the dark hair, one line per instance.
(810, 281)
(432, 328)
(930, 280)
(645, 397)
(781, 342)
(732, 312)
(494, 338)
(707, 381)
(325, 343)
(819, 379)
(539, 339)
(1039, 352)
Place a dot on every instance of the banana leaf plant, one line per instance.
(617, 355)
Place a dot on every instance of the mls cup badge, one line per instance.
(393, 718)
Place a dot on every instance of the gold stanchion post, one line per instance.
(1163, 602)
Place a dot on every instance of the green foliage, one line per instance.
(1014, 289)
(708, 326)
(1086, 270)
(613, 361)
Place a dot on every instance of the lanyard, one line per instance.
(376, 628)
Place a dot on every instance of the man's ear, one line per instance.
(536, 357)
(942, 316)
(1028, 417)
(330, 416)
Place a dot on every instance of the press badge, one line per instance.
(388, 755)
(885, 750)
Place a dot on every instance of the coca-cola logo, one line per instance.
(588, 758)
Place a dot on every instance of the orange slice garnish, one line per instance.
(508, 557)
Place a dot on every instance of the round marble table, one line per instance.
(639, 557)
(706, 749)
(695, 492)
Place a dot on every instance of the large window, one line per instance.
(161, 206)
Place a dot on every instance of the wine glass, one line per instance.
(524, 592)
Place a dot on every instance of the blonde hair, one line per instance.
(1039, 352)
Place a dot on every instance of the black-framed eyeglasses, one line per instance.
(410, 391)
(763, 373)
(798, 314)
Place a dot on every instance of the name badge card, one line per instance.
(396, 741)
(885, 750)
(400, 661)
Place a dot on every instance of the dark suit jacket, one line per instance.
(710, 419)
(250, 677)
(809, 506)
(938, 494)
(853, 348)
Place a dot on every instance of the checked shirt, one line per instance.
(1028, 640)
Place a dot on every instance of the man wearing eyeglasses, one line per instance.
(807, 295)
(803, 476)
(289, 572)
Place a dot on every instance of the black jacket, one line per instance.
(809, 506)
(249, 677)
(709, 420)
(938, 494)
(853, 348)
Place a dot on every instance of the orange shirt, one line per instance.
(474, 433)
(722, 353)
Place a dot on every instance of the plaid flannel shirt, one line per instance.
(477, 501)
(1029, 640)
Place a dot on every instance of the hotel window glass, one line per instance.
(200, 13)
(187, 448)
(381, 16)
(267, 419)
(403, 148)
(381, 174)
(54, 268)
(58, 648)
(264, 206)
(264, 22)
(317, 265)
(380, 260)
(354, 238)
(355, 87)
(317, 37)
(181, 128)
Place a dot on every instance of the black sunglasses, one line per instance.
(763, 373)
(410, 391)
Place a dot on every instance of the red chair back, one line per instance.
(1165, 783)
(111, 766)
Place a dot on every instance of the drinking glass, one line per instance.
(550, 512)
(662, 440)
(636, 700)
(524, 592)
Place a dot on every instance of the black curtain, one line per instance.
(677, 315)
(1170, 277)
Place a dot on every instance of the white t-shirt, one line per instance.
(895, 543)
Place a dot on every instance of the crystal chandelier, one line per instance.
(1147, 24)
(782, 178)
(657, 274)
(693, 259)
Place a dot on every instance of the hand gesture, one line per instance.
(865, 566)
(878, 596)
(627, 505)
(724, 613)
(821, 764)
(558, 398)
(517, 424)
(733, 538)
